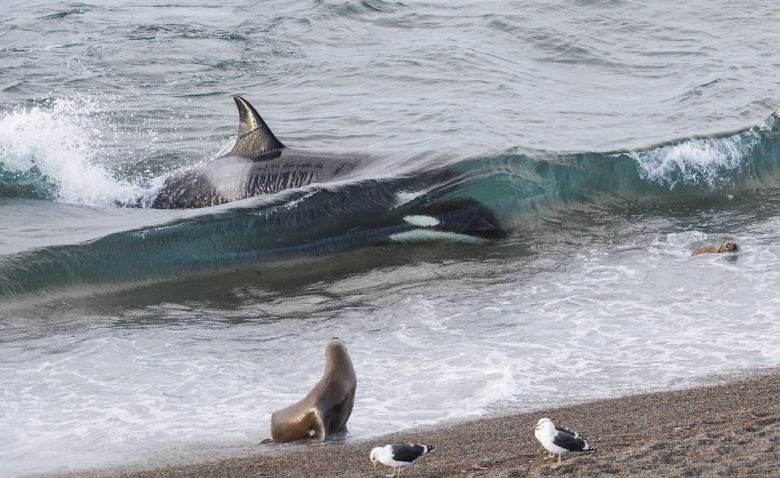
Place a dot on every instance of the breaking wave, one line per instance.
(45, 153)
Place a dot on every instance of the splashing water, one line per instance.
(697, 161)
(55, 142)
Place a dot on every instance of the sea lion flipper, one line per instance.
(335, 412)
(325, 429)
(255, 139)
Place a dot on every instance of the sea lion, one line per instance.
(727, 246)
(326, 408)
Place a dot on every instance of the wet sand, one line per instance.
(730, 429)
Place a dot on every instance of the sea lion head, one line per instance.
(337, 357)
(728, 246)
(334, 342)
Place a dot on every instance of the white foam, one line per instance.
(169, 377)
(695, 160)
(59, 140)
(681, 244)
(681, 239)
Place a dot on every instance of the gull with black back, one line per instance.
(559, 440)
(399, 455)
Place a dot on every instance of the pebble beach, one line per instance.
(731, 428)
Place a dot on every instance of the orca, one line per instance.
(258, 164)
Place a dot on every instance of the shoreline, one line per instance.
(731, 428)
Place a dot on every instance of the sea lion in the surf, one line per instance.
(727, 246)
(326, 408)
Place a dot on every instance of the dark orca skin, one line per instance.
(232, 178)
(258, 164)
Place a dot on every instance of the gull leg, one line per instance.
(560, 459)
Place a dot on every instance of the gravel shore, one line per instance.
(730, 429)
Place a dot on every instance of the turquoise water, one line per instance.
(607, 139)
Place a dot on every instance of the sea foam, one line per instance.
(56, 141)
(697, 160)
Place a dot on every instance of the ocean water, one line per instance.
(607, 139)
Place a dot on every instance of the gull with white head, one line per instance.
(559, 440)
(400, 455)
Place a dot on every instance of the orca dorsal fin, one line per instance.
(255, 138)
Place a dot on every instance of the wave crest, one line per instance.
(47, 152)
(700, 160)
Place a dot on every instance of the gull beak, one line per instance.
(536, 427)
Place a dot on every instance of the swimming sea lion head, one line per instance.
(728, 246)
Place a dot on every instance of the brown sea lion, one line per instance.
(326, 408)
(727, 246)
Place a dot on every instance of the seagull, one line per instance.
(559, 440)
(399, 455)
